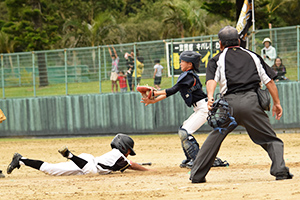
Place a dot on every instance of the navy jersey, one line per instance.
(190, 88)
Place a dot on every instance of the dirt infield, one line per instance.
(247, 177)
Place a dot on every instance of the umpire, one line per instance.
(239, 73)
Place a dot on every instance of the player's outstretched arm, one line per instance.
(135, 166)
(147, 101)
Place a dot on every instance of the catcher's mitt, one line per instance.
(2, 116)
(146, 91)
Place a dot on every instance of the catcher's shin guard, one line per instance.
(189, 144)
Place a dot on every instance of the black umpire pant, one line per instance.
(248, 113)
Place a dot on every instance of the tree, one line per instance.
(80, 33)
(32, 24)
(186, 16)
(7, 46)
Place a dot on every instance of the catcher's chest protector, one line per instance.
(187, 93)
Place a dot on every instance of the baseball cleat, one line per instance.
(288, 175)
(200, 181)
(219, 163)
(183, 163)
(187, 164)
(190, 164)
(64, 152)
(1, 174)
(14, 163)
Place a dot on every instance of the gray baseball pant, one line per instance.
(248, 113)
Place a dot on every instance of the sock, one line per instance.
(70, 155)
(78, 161)
(36, 164)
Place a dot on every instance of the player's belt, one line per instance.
(195, 104)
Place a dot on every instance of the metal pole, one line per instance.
(275, 41)
(33, 74)
(18, 62)
(104, 60)
(99, 59)
(298, 51)
(172, 62)
(135, 74)
(253, 28)
(211, 47)
(2, 76)
(66, 71)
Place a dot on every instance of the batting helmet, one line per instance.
(220, 116)
(193, 57)
(123, 143)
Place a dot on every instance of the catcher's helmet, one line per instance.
(123, 143)
(193, 57)
(219, 117)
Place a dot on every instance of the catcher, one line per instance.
(190, 88)
(114, 160)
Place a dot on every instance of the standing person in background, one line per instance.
(268, 52)
(139, 71)
(122, 81)
(114, 69)
(158, 70)
(130, 66)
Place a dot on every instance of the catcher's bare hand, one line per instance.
(147, 101)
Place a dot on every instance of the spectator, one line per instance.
(268, 52)
(139, 71)
(122, 81)
(114, 69)
(130, 66)
(158, 70)
(280, 69)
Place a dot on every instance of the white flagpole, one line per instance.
(253, 28)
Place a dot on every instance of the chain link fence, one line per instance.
(87, 70)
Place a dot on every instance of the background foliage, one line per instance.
(27, 25)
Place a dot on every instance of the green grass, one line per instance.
(85, 88)
(76, 88)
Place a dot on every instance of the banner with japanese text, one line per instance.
(206, 49)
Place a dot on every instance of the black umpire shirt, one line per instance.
(238, 69)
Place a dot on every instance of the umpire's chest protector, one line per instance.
(186, 91)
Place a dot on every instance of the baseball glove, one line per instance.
(2, 116)
(146, 91)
